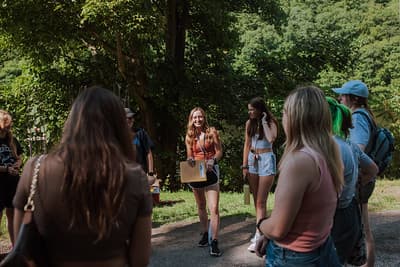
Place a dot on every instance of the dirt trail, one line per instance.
(175, 244)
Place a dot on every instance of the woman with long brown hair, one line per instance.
(259, 160)
(10, 163)
(93, 203)
(203, 143)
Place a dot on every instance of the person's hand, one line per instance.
(261, 246)
(245, 172)
(12, 170)
(210, 164)
(191, 162)
(264, 117)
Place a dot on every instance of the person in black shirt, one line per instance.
(10, 163)
(143, 144)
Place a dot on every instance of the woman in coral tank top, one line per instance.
(311, 177)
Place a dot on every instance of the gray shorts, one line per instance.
(263, 164)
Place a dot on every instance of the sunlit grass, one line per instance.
(186, 210)
(386, 196)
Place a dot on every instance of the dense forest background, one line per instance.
(164, 57)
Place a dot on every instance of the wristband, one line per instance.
(244, 167)
(150, 173)
(260, 222)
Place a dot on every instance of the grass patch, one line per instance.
(185, 209)
(386, 196)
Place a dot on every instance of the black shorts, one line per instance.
(8, 187)
(212, 178)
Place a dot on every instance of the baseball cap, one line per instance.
(129, 112)
(354, 87)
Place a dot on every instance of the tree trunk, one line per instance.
(160, 122)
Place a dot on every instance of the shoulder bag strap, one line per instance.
(30, 205)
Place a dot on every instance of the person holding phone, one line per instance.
(259, 161)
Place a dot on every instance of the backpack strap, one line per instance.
(371, 122)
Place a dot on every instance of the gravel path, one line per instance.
(175, 245)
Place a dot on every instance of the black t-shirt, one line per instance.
(6, 155)
(143, 145)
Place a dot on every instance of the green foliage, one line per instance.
(231, 52)
(375, 59)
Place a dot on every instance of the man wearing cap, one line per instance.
(143, 144)
(354, 94)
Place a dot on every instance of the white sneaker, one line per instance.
(252, 247)
(255, 237)
(253, 242)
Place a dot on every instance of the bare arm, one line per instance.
(246, 149)
(368, 173)
(150, 162)
(217, 145)
(297, 175)
(18, 216)
(140, 243)
(270, 132)
(189, 152)
(150, 167)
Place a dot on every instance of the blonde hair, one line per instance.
(190, 132)
(6, 121)
(309, 124)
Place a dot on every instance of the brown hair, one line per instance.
(361, 102)
(256, 123)
(95, 148)
(6, 121)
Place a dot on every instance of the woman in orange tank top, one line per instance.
(202, 142)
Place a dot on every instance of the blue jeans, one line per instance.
(324, 256)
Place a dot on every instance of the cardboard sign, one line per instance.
(190, 174)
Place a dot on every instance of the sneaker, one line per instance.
(253, 242)
(252, 247)
(204, 240)
(214, 250)
(255, 237)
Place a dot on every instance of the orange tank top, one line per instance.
(203, 149)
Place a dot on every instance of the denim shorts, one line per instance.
(324, 256)
(263, 164)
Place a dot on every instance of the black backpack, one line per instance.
(380, 145)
